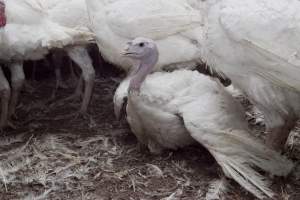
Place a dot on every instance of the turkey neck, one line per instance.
(144, 67)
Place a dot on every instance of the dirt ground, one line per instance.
(54, 155)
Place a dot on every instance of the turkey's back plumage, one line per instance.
(255, 44)
(174, 25)
(263, 35)
(162, 107)
(69, 13)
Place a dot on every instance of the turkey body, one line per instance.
(174, 25)
(255, 44)
(157, 112)
(71, 13)
(176, 109)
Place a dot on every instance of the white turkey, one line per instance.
(173, 110)
(255, 43)
(174, 25)
(30, 32)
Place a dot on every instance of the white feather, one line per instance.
(217, 189)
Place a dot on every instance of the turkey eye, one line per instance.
(142, 44)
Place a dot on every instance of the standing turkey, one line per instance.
(30, 32)
(173, 110)
(255, 43)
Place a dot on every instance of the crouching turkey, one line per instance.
(173, 110)
(30, 32)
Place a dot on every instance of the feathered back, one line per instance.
(248, 45)
(68, 13)
(29, 12)
(175, 26)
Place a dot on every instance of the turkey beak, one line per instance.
(126, 52)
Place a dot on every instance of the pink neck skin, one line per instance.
(2, 14)
(145, 67)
